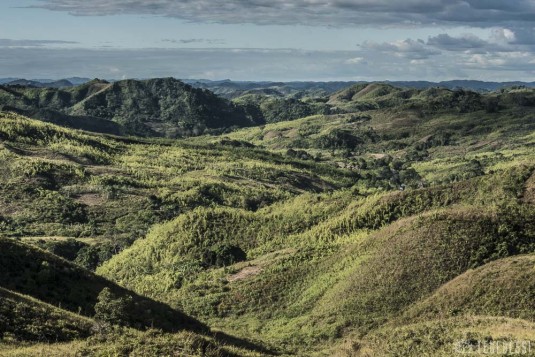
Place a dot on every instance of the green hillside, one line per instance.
(500, 288)
(108, 191)
(36, 273)
(27, 319)
(460, 313)
(268, 108)
(155, 107)
(315, 281)
(377, 221)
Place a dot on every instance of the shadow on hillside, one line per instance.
(243, 343)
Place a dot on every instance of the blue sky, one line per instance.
(269, 40)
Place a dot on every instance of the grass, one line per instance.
(26, 319)
(58, 282)
(354, 277)
(121, 343)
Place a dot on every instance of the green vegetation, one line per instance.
(381, 221)
(56, 281)
(25, 319)
(156, 107)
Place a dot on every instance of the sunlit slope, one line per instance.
(108, 191)
(486, 308)
(359, 264)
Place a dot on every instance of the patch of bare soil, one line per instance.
(292, 133)
(90, 199)
(272, 135)
(254, 267)
(378, 156)
(245, 273)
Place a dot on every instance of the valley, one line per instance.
(155, 218)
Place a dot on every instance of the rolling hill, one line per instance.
(398, 222)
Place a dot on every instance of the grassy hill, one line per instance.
(108, 191)
(401, 225)
(268, 108)
(71, 292)
(27, 319)
(36, 273)
(460, 316)
(309, 283)
(499, 288)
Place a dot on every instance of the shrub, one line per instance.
(111, 309)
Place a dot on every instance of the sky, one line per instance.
(275, 40)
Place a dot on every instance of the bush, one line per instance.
(111, 309)
(223, 255)
(67, 249)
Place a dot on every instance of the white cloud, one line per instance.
(355, 60)
(411, 49)
(259, 64)
(503, 35)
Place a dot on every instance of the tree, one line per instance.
(112, 309)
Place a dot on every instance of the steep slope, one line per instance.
(34, 272)
(482, 310)
(502, 288)
(25, 319)
(160, 106)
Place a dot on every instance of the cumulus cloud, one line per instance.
(484, 13)
(521, 36)
(5, 42)
(500, 40)
(509, 61)
(411, 49)
(463, 43)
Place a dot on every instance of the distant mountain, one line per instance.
(78, 80)
(231, 89)
(155, 107)
(7, 80)
(465, 84)
(43, 83)
(32, 83)
(168, 107)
